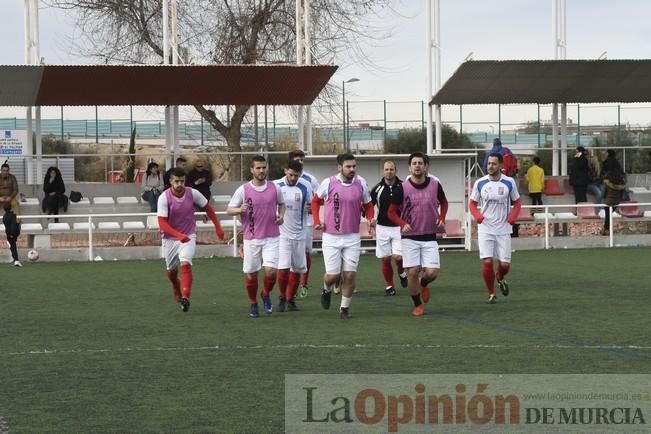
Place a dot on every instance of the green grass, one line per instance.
(101, 347)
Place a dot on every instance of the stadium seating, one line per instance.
(453, 229)
(525, 215)
(523, 188)
(81, 226)
(552, 187)
(101, 200)
(133, 226)
(632, 211)
(58, 227)
(564, 216)
(586, 212)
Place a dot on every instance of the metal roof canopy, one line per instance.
(110, 85)
(547, 82)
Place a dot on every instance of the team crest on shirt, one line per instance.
(500, 190)
(297, 197)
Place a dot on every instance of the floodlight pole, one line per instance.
(433, 72)
(166, 60)
(308, 61)
(299, 61)
(37, 59)
(28, 114)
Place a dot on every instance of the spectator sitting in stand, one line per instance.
(54, 189)
(152, 184)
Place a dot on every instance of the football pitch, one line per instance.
(102, 347)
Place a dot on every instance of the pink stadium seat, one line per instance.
(587, 212)
(552, 188)
(630, 211)
(525, 215)
(523, 188)
(318, 234)
(453, 228)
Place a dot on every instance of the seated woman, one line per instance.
(152, 184)
(54, 190)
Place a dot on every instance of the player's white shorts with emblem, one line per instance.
(494, 246)
(176, 252)
(388, 241)
(423, 254)
(338, 249)
(309, 236)
(260, 253)
(291, 255)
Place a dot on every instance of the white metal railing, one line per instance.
(547, 220)
(89, 218)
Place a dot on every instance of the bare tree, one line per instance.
(227, 32)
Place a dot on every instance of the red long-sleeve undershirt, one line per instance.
(513, 215)
(170, 231)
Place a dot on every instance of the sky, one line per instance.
(498, 29)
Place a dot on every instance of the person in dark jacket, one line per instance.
(54, 190)
(12, 230)
(615, 184)
(579, 177)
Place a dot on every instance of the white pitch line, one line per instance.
(47, 351)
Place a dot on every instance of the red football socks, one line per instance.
(173, 277)
(489, 277)
(502, 270)
(269, 282)
(186, 280)
(387, 271)
(251, 289)
(399, 265)
(283, 280)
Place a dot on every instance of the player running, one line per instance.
(387, 233)
(495, 193)
(419, 207)
(297, 195)
(260, 205)
(176, 207)
(344, 195)
(299, 156)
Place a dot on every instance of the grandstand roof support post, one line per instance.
(96, 126)
(538, 125)
(308, 61)
(273, 120)
(578, 124)
(384, 119)
(564, 139)
(499, 120)
(266, 129)
(299, 61)
(555, 139)
(36, 58)
(460, 118)
(62, 132)
(201, 120)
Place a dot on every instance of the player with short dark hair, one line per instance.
(299, 156)
(419, 206)
(344, 195)
(297, 194)
(176, 207)
(261, 207)
(495, 193)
